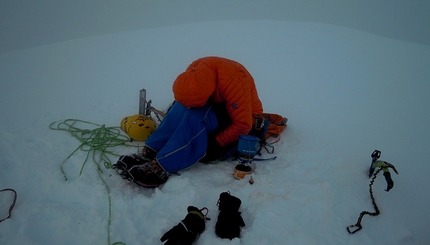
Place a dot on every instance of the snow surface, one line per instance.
(345, 92)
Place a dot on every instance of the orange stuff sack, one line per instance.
(277, 124)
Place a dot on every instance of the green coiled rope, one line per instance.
(95, 142)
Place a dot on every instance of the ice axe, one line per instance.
(382, 166)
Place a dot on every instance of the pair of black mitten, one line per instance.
(227, 226)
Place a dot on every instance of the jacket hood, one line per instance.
(193, 87)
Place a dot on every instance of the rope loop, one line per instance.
(96, 142)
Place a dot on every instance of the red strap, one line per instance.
(207, 211)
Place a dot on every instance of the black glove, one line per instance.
(390, 182)
(186, 232)
(229, 218)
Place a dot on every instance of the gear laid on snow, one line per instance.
(264, 126)
(13, 202)
(382, 166)
(241, 170)
(229, 218)
(138, 127)
(247, 148)
(375, 156)
(188, 230)
(97, 142)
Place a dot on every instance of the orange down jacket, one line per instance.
(217, 80)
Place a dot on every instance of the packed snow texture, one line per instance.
(345, 92)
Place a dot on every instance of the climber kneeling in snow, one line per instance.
(215, 102)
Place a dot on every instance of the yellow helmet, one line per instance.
(138, 127)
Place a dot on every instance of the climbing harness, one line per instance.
(382, 166)
(12, 205)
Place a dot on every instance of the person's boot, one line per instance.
(150, 174)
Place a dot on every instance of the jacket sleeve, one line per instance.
(237, 96)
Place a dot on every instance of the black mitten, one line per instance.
(229, 218)
(187, 231)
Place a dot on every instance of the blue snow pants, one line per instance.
(182, 137)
